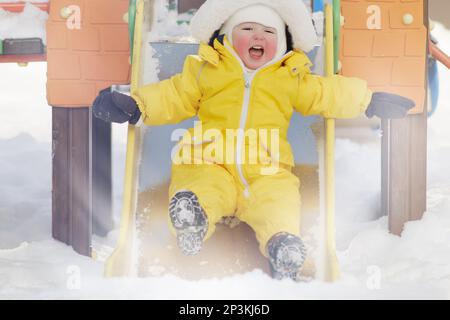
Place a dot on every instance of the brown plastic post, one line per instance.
(81, 181)
(71, 189)
(81, 61)
(404, 165)
(392, 57)
(60, 176)
(101, 177)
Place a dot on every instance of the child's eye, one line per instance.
(270, 31)
(247, 29)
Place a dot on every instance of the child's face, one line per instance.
(255, 44)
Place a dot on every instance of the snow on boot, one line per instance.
(287, 254)
(189, 220)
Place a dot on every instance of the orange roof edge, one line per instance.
(18, 6)
(23, 58)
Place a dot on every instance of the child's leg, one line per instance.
(200, 196)
(273, 211)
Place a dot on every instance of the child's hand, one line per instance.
(388, 106)
(116, 107)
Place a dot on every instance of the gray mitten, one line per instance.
(116, 107)
(388, 106)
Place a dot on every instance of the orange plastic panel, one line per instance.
(59, 92)
(109, 36)
(356, 14)
(85, 39)
(357, 43)
(63, 65)
(397, 12)
(112, 67)
(57, 36)
(392, 58)
(389, 44)
(408, 72)
(83, 61)
(377, 72)
(106, 11)
(415, 46)
(57, 5)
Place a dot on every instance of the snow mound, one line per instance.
(30, 23)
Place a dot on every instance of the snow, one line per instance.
(169, 25)
(374, 263)
(30, 23)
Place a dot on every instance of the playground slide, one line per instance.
(147, 248)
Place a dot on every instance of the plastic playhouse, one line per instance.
(94, 44)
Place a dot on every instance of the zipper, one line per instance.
(248, 79)
(241, 134)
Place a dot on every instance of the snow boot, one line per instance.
(287, 254)
(189, 220)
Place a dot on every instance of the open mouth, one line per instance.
(256, 52)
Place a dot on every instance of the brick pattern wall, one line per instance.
(83, 61)
(392, 58)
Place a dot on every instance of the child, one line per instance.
(251, 76)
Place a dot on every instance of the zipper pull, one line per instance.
(247, 80)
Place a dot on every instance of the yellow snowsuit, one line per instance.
(214, 86)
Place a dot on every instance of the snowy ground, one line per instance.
(374, 263)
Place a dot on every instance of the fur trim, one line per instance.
(213, 14)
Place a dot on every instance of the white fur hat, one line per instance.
(214, 13)
(261, 14)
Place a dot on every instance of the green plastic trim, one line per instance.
(1, 47)
(131, 24)
(336, 32)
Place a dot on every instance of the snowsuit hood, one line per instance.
(214, 13)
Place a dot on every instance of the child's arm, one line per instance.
(343, 97)
(332, 97)
(172, 100)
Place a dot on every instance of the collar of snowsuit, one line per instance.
(297, 61)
